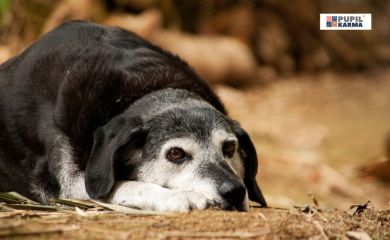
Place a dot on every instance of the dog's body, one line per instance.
(95, 112)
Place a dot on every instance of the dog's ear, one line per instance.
(108, 139)
(249, 157)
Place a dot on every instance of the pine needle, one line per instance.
(32, 207)
(74, 203)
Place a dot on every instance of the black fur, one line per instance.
(108, 139)
(72, 82)
(248, 153)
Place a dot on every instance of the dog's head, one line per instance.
(176, 140)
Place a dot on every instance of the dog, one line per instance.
(95, 112)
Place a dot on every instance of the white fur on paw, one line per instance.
(149, 196)
(181, 201)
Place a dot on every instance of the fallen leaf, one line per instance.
(307, 209)
(354, 209)
(80, 212)
(127, 210)
(358, 235)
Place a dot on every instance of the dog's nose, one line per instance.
(232, 192)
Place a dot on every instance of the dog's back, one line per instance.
(73, 80)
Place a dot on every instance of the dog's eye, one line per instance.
(228, 148)
(176, 154)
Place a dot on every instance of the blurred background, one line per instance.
(316, 103)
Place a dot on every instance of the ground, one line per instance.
(271, 223)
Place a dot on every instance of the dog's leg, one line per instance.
(70, 178)
(74, 187)
(150, 196)
(71, 181)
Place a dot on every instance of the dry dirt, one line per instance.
(259, 223)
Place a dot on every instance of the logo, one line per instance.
(340, 21)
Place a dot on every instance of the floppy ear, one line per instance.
(249, 156)
(108, 139)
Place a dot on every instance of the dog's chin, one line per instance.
(223, 205)
(243, 207)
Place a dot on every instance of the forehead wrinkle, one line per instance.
(182, 105)
(197, 123)
(184, 120)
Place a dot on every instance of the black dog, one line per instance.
(97, 112)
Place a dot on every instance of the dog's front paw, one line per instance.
(181, 201)
(149, 196)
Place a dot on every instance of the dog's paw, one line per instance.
(149, 196)
(181, 201)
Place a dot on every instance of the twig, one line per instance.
(15, 198)
(32, 207)
(74, 203)
(15, 232)
(212, 234)
(116, 234)
(315, 201)
(321, 229)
